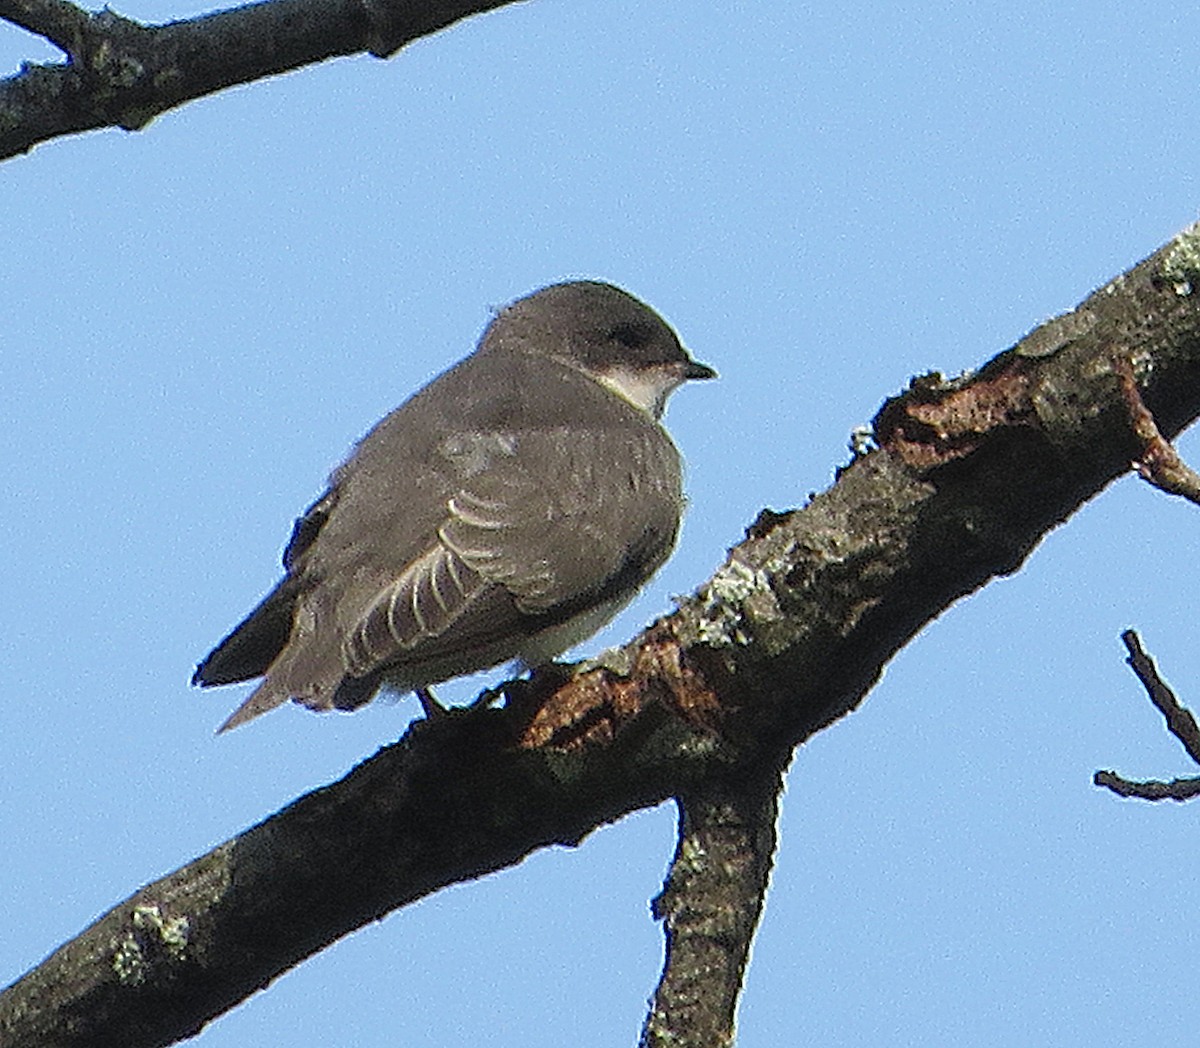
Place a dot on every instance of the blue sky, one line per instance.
(199, 320)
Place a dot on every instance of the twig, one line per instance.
(1175, 790)
(1160, 463)
(1180, 723)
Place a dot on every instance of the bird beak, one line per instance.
(693, 370)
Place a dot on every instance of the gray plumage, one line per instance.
(505, 511)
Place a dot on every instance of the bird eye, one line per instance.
(629, 335)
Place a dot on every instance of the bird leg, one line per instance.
(429, 704)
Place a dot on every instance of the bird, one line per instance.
(503, 513)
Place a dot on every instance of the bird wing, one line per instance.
(307, 527)
(567, 521)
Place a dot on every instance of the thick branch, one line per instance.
(788, 636)
(121, 73)
(455, 798)
(710, 907)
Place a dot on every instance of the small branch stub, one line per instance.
(1159, 463)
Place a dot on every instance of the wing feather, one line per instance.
(420, 605)
(507, 561)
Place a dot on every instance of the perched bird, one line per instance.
(506, 511)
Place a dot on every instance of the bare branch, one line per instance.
(60, 22)
(1153, 790)
(455, 798)
(1159, 462)
(710, 907)
(121, 73)
(1180, 723)
(787, 637)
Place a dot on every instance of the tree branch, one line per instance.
(789, 635)
(60, 22)
(1159, 462)
(1180, 723)
(121, 73)
(710, 907)
(1150, 790)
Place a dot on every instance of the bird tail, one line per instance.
(254, 643)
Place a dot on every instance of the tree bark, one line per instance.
(710, 907)
(122, 73)
(966, 477)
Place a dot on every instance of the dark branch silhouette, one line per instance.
(122, 73)
(1180, 723)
